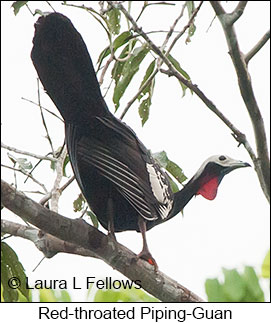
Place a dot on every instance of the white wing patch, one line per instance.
(160, 189)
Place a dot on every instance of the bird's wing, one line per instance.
(116, 153)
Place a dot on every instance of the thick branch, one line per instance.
(86, 236)
(46, 243)
(262, 166)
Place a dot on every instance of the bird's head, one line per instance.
(212, 171)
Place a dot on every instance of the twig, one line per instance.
(142, 88)
(257, 47)
(49, 4)
(59, 174)
(185, 27)
(146, 4)
(55, 115)
(43, 121)
(18, 151)
(26, 174)
(111, 58)
(48, 196)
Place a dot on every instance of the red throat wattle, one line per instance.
(209, 189)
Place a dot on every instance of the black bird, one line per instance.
(122, 183)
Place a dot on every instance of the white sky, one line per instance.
(231, 231)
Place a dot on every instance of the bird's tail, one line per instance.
(65, 69)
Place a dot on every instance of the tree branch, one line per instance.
(262, 163)
(59, 174)
(26, 153)
(86, 236)
(237, 12)
(46, 243)
(238, 135)
(257, 47)
(191, 20)
(48, 196)
(21, 170)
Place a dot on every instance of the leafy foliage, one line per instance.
(123, 295)
(236, 287)
(145, 104)
(162, 158)
(266, 265)
(50, 295)
(17, 5)
(22, 163)
(177, 65)
(121, 40)
(13, 277)
(79, 203)
(127, 72)
(93, 218)
(108, 295)
(114, 20)
(190, 5)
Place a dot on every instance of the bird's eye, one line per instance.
(221, 157)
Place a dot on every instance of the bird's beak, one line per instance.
(234, 164)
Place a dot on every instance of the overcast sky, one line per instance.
(231, 231)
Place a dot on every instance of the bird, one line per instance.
(122, 183)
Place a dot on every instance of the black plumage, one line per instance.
(123, 185)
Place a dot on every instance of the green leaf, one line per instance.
(118, 42)
(47, 296)
(93, 218)
(40, 12)
(214, 290)
(144, 107)
(190, 5)
(177, 65)
(17, 5)
(12, 268)
(106, 296)
(118, 66)
(162, 158)
(254, 292)
(266, 265)
(123, 295)
(144, 110)
(234, 286)
(53, 165)
(129, 69)
(66, 162)
(114, 20)
(63, 296)
(148, 73)
(174, 186)
(79, 203)
(8, 294)
(23, 163)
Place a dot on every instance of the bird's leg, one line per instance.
(110, 216)
(145, 253)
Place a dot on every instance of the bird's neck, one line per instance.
(182, 197)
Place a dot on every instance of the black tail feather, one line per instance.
(65, 69)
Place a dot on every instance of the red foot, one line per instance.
(149, 258)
